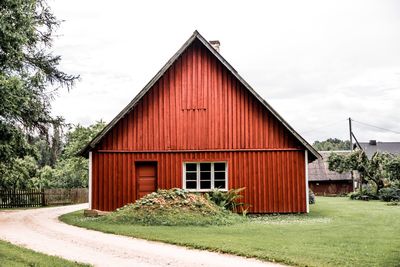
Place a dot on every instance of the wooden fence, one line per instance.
(61, 196)
(21, 198)
(44, 197)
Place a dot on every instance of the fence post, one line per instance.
(43, 198)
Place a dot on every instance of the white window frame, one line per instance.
(198, 176)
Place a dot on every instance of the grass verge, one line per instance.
(337, 232)
(11, 255)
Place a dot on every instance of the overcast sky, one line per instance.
(316, 62)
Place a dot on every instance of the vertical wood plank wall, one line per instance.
(199, 105)
(274, 181)
(196, 105)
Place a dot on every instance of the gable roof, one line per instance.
(196, 36)
(319, 169)
(371, 147)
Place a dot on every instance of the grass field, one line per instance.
(337, 232)
(11, 255)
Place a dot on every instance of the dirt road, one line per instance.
(40, 230)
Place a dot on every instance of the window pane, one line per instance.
(219, 184)
(205, 166)
(219, 176)
(191, 166)
(205, 176)
(190, 185)
(219, 166)
(205, 185)
(199, 175)
(191, 176)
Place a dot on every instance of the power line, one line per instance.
(323, 126)
(377, 127)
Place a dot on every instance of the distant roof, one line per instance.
(318, 170)
(373, 146)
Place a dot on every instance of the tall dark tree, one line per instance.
(48, 147)
(29, 75)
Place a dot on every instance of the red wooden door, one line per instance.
(146, 175)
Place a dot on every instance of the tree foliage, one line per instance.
(20, 175)
(332, 144)
(69, 170)
(379, 167)
(29, 77)
(393, 169)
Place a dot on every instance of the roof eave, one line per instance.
(196, 35)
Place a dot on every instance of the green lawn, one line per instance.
(11, 255)
(337, 232)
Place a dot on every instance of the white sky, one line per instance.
(316, 62)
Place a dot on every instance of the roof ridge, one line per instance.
(135, 100)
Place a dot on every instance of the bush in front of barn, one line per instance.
(390, 194)
(174, 207)
(365, 194)
(228, 199)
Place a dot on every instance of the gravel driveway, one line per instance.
(40, 230)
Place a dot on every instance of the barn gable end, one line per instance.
(197, 102)
(197, 112)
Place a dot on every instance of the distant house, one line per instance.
(198, 125)
(324, 182)
(373, 146)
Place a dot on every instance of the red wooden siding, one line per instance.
(198, 105)
(199, 111)
(274, 180)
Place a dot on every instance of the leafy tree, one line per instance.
(79, 137)
(29, 76)
(371, 170)
(20, 175)
(48, 147)
(332, 144)
(71, 171)
(393, 169)
(43, 179)
(42, 150)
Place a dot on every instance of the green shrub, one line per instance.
(364, 193)
(174, 207)
(354, 195)
(227, 200)
(390, 194)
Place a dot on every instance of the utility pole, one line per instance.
(351, 135)
(351, 149)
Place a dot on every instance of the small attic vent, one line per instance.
(372, 142)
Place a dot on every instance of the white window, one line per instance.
(204, 176)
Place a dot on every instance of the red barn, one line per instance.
(198, 125)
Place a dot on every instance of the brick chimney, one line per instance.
(215, 44)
